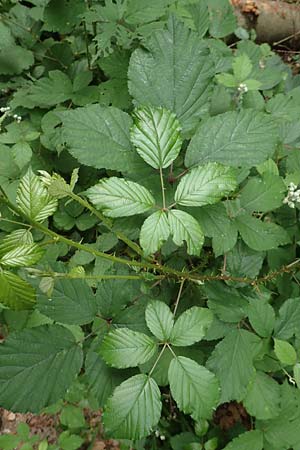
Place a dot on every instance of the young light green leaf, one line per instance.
(227, 80)
(194, 388)
(24, 255)
(263, 194)
(154, 232)
(242, 67)
(120, 198)
(123, 348)
(15, 239)
(263, 398)
(205, 185)
(15, 293)
(285, 352)
(134, 408)
(191, 326)
(175, 73)
(184, 227)
(262, 317)
(232, 362)
(41, 361)
(261, 236)
(160, 320)
(156, 136)
(33, 198)
(250, 440)
(229, 138)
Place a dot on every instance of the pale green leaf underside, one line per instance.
(237, 138)
(15, 239)
(191, 326)
(37, 366)
(205, 185)
(156, 136)
(15, 293)
(24, 255)
(33, 198)
(123, 348)
(134, 408)
(159, 319)
(120, 198)
(183, 227)
(194, 388)
(154, 232)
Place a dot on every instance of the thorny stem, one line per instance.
(41, 274)
(178, 296)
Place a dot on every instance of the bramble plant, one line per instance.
(149, 223)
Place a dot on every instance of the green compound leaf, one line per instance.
(14, 240)
(191, 326)
(250, 440)
(72, 302)
(99, 137)
(24, 255)
(15, 293)
(37, 366)
(154, 232)
(230, 138)
(260, 235)
(285, 352)
(123, 348)
(194, 388)
(175, 72)
(184, 227)
(120, 198)
(156, 136)
(33, 198)
(232, 362)
(134, 408)
(263, 194)
(263, 398)
(205, 185)
(159, 319)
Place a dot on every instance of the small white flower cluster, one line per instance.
(242, 88)
(6, 110)
(161, 436)
(293, 196)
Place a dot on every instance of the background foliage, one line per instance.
(149, 225)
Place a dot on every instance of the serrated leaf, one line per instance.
(14, 239)
(288, 322)
(250, 440)
(71, 302)
(184, 227)
(123, 348)
(156, 136)
(232, 362)
(37, 366)
(205, 185)
(120, 198)
(187, 69)
(263, 194)
(226, 302)
(24, 255)
(14, 59)
(242, 67)
(242, 261)
(263, 398)
(134, 408)
(222, 18)
(194, 388)
(285, 352)
(22, 154)
(154, 232)
(33, 198)
(229, 139)
(99, 137)
(261, 236)
(191, 326)
(113, 295)
(159, 319)
(15, 293)
(262, 317)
